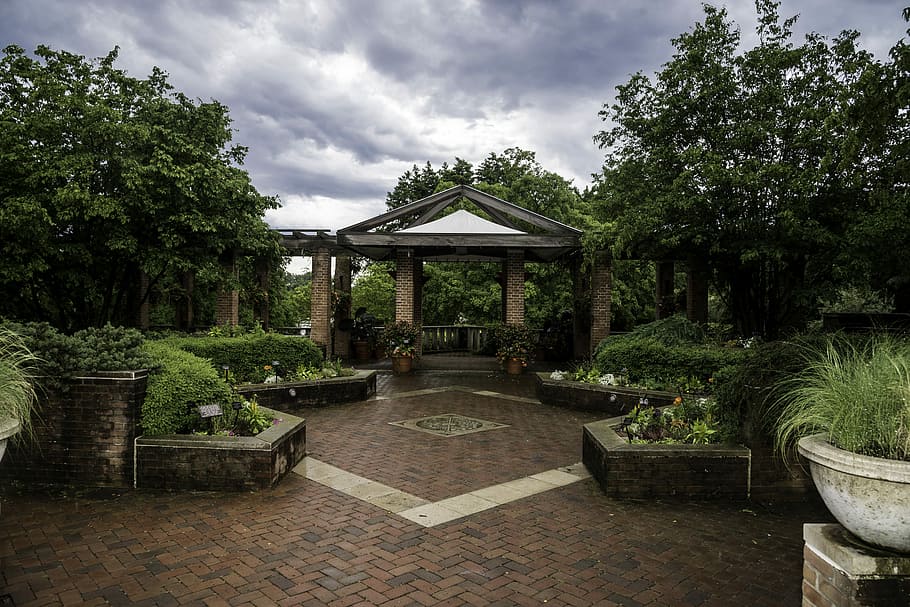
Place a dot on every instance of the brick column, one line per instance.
(418, 301)
(227, 306)
(601, 297)
(321, 300)
(514, 292)
(697, 291)
(664, 304)
(142, 298)
(341, 344)
(264, 280)
(581, 311)
(404, 286)
(185, 319)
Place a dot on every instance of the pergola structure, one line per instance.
(423, 231)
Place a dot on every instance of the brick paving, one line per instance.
(303, 543)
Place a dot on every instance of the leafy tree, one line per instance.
(737, 158)
(877, 237)
(374, 290)
(104, 177)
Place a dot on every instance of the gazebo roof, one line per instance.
(461, 235)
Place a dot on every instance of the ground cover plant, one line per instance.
(688, 420)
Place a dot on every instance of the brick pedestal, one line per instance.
(840, 571)
(514, 292)
(227, 306)
(697, 291)
(321, 300)
(601, 298)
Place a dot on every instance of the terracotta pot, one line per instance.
(867, 495)
(514, 366)
(362, 350)
(402, 364)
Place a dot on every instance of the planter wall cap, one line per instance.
(820, 451)
(8, 427)
(856, 560)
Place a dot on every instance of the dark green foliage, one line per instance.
(746, 391)
(647, 358)
(60, 356)
(110, 348)
(105, 177)
(248, 355)
(673, 331)
(178, 379)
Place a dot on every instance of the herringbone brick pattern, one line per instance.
(305, 544)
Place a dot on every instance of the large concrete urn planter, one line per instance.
(9, 426)
(867, 495)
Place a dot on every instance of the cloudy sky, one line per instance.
(337, 98)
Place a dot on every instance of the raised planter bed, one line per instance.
(612, 400)
(220, 463)
(289, 396)
(663, 471)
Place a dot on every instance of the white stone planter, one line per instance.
(867, 495)
(8, 427)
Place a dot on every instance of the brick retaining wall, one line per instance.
(289, 396)
(221, 463)
(84, 435)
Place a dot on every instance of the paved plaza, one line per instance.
(445, 489)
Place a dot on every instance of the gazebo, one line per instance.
(423, 231)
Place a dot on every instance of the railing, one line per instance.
(455, 338)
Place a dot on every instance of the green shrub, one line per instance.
(110, 348)
(61, 356)
(646, 359)
(673, 331)
(249, 355)
(178, 379)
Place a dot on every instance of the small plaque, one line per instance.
(213, 410)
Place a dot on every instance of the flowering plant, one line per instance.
(401, 338)
(513, 342)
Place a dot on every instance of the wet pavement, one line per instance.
(507, 520)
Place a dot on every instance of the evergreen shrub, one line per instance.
(178, 380)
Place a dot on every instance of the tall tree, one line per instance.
(736, 158)
(104, 177)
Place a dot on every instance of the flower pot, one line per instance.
(362, 350)
(8, 427)
(402, 364)
(514, 366)
(869, 496)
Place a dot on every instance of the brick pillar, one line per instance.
(697, 291)
(264, 280)
(601, 298)
(227, 306)
(418, 301)
(404, 285)
(664, 304)
(838, 572)
(142, 298)
(581, 310)
(514, 292)
(185, 319)
(342, 339)
(321, 300)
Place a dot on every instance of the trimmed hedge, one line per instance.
(249, 354)
(178, 378)
(647, 358)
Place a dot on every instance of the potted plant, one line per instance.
(849, 413)
(363, 334)
(17, 393)
(513, 347)
(401, 340)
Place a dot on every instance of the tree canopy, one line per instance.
(754, 161)
(104, 177)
